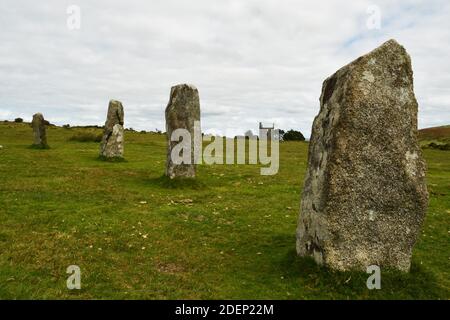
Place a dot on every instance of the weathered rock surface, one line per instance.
(365, 196)
(112, 145)
(182, 111)
(40, 135)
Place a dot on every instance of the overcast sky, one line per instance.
(258, 60)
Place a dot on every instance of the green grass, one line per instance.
(86, 136)
(229, 234)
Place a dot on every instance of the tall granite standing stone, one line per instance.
(39, 131)
(182, 111)
(365, 196)
(113, 135)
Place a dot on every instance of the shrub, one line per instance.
(86, 137)
(66, 126)
(292, 135)
(18, 120)
(439, 146)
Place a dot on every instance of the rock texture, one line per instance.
(40, 134)
(182, 111)
(365, 196)
(113, 135)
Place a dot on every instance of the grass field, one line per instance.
(135, 235)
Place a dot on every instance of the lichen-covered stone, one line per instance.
(112, 144)
(365, 196)
(39, 131)
(182, 111)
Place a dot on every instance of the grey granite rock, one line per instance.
(365, 195)
(40, 135)
(182, 111)
(112, 145)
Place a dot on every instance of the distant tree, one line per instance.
(281, 134)
(292, 135)
(248, 133)
(18, 120)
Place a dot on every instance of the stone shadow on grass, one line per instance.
(114, 159)
(177, 183)
(419, 283)
(38, 147)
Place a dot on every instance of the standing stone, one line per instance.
(182, 111)
(365, 196)
(40, 135)
(113, 135)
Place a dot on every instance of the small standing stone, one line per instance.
(365, 196)
(39, 130)
(112, 144)
(182, 112)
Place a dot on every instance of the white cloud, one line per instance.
(251, 61)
